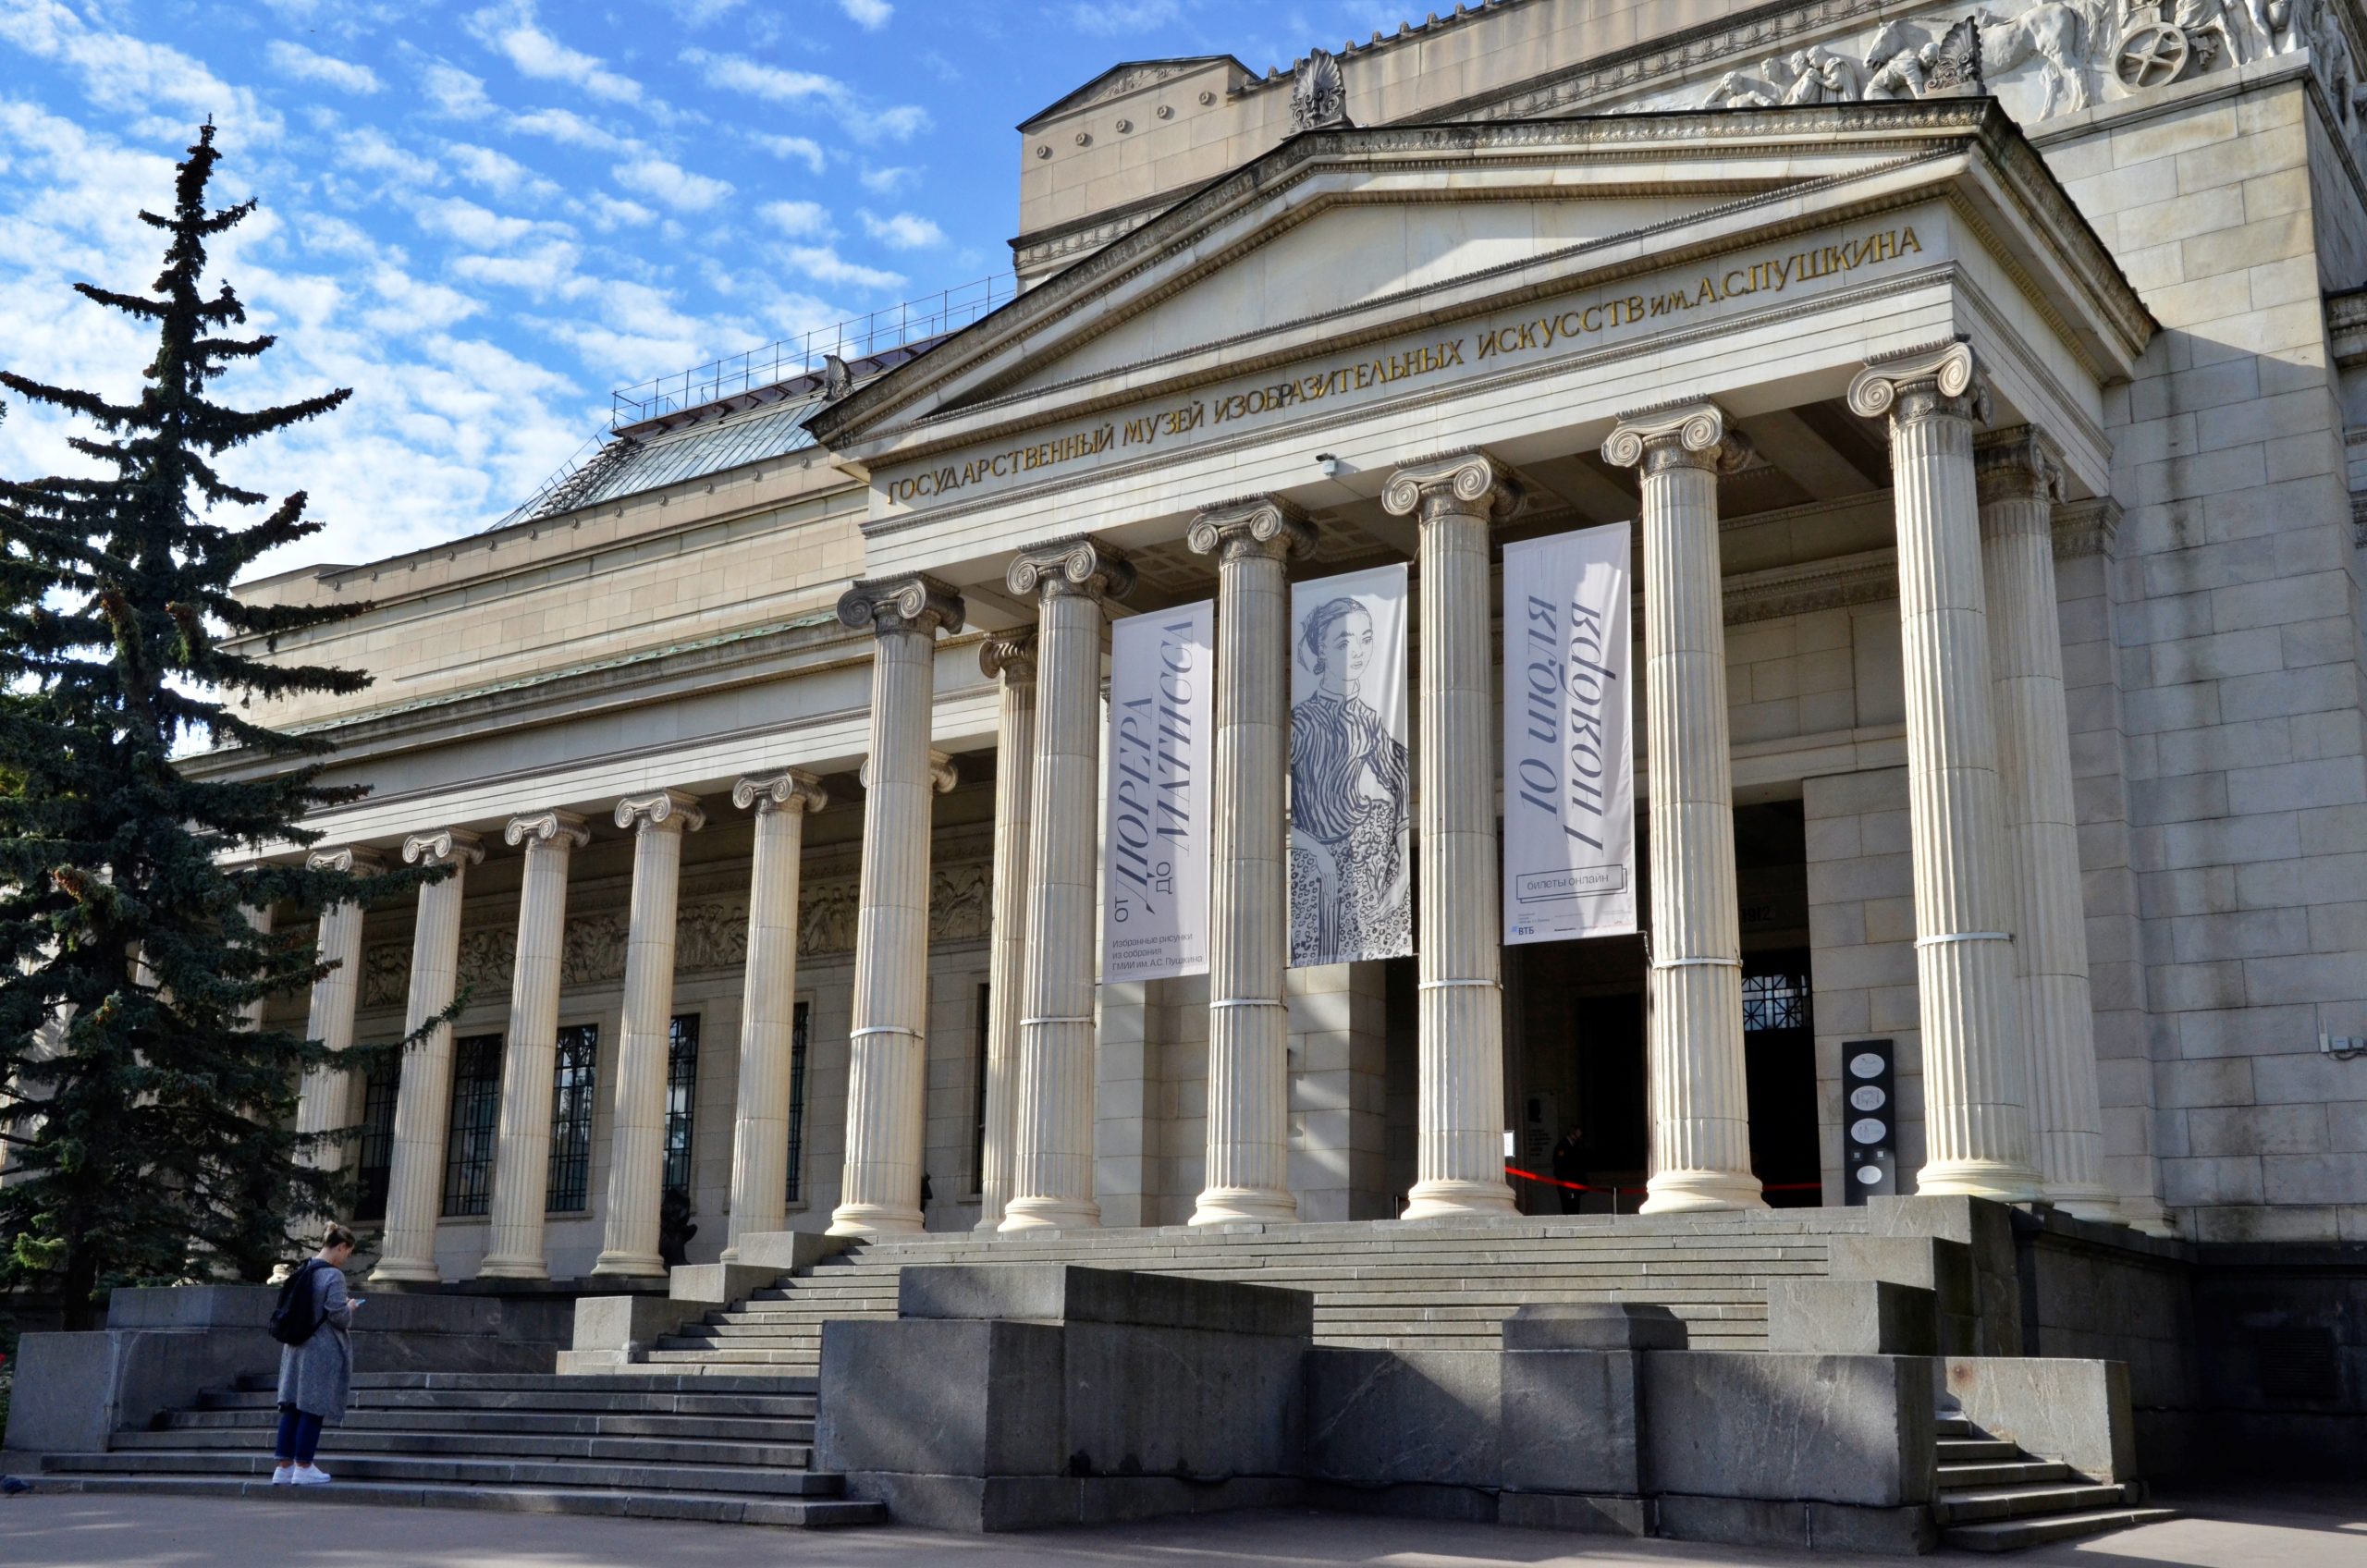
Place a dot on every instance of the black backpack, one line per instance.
(297, 1316)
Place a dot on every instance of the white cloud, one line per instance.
(496, 172)
(608, 212)
(567, 127)
(131, 75)
(888, 181)
(477, 226)
(549, 268)
(899, 124)
(902, 231)
(672, 183)
(799, 220)
(869, 15)
(295, 60)
(511, 30)
(823, 264)
(804, 147)
(454, 92)
(1111, 18)
(369, 149)
(737, 73)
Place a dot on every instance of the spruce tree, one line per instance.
(147, 1124)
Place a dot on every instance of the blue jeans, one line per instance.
(300, 1436)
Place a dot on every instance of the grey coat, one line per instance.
(315, 1376)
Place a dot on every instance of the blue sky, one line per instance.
(485, 216)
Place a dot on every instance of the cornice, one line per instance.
(1867, 576)
(2086, 528)
(2347, 327)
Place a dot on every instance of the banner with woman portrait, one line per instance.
(1352, 785)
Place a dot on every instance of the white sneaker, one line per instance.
(282, 1475)
(310, 1476)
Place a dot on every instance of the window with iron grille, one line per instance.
(682, 1097)
(470, 1136)
(797, 1105)
(374, 1151)
(574, 1072)
(1774, 1001)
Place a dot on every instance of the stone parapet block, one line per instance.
(2074, 1412)
(1857, 1429)
(1059, 1292)
(1852, 1317)
(1594, 1326)
(788, 1252)
(612, 1331)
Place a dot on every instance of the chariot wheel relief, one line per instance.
(2153, 53)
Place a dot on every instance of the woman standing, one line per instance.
(315, 1376)
(1349, 803)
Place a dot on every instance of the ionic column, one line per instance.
(1699, 1090)
(2020, 476)
(768, 1004)
(887, 1047)
(1459, 1160)
(1009, 658)
(415, 1174)
(1052, 1148)
(521, 1159)
(637, 1150)
(1249, 942)
(258, 918)
(1975, 1094)
(323, 1096)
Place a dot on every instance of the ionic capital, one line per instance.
(1263, 527)
(1009, 655)
(1081, 565)
(888, 605)
(942, 775)
(547, 830)
(1943, 381)
(1676, 436)
(2017, 464)
(667, 811)
(355, 860)
(1457, 484)
(786, 791)
(446, 846)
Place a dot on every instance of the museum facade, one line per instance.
(1973, 456)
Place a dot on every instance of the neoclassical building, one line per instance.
(1985, 447)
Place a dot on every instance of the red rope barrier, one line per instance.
(1583, 1187)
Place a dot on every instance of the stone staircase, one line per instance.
(732, 1450)
(1994, 1497)
(1432, 1286)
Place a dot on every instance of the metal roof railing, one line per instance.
(931, 316)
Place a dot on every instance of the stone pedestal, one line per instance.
(1975, 1094)
(1459, 1160)
(1698, 1091)
(521, 1159)
(2019, 480)
(888, 1046)
(1052, 1164)
(415, 1176)
(322, 1098)
(637, 1149)
(1249, 1123)
(769, 1005)
(1009, 658)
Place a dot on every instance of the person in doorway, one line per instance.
(315, 1376)
(1570, 1168)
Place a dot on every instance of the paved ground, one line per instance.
(2321, 1528)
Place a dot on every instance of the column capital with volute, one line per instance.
(539, 829)
(1466, 484)
(1080, 564)
(790, 790)
(1937, 381)
(942, 774)
(1255, 525)
(1009, 655)
(890, 605)
(2019, 463)
(665, 811)
(444, 846)
(1688, 435)
(358, 860)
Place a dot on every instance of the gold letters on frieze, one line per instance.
(1496, 340)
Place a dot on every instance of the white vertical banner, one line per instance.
(1569, 753)
(1155, 837)
(1352, 788)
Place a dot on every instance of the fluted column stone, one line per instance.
(1459, 1157)
(324, 1093)
(2019, 477)
(1009, 658)
(888, 1046)
(637, 1145)
(1052, 1158)
(1976, 1102)
(1697, 1084)
(521, 1155)
(1248, 1114)
(768, 1003)
(415, 1173)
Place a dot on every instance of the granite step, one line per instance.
(419, 1469)
(1971, 1450)
(813, 1513)
(1982, 1504)
(594, 1402)
(2014, 1535)
(524, 1422)
(356, 1440)
(2000, 1473)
